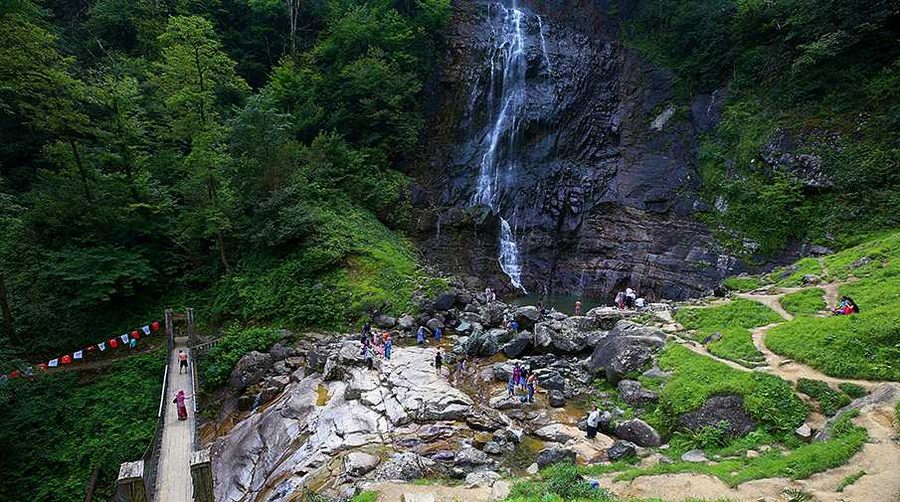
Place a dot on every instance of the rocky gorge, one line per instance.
(556, 161)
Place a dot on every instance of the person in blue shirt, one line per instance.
(420, 335)
(438, 332)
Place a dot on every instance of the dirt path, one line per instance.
(771, 301)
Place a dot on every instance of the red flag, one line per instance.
(113, 343)
(135, 334)
(66, 359)
(154, 325)
(14, 374)
(42, 366)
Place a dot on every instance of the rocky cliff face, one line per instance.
(583, 154)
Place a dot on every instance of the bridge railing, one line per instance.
(151, 455)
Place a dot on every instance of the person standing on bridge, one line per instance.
(179, 400)
(182, 362)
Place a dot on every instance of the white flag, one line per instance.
(124, 338)
(53, 363)
(78, 355)
(102, 346)
(146, 330)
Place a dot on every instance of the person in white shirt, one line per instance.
(593, 421)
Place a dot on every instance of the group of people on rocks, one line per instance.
(522, 378)
(846, 307)
(628, 299)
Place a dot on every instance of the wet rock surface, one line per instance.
(729, 409)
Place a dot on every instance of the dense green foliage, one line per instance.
(826, 72)
(237, 341)
(736, 344)
(741, 284)
(61, 426)
(804, 302)
(140, 167)
(852, 390)
(863, 345)
(559, 482)
(829, 399)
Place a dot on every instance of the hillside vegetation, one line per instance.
(807, 147)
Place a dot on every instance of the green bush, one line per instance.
(562, 482)
(849, 480)
(852, 390)
(237, 342)
(805, 302)
(830, 399)
(59, 427)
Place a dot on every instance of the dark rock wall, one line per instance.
(601, 190)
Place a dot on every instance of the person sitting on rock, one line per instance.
(640, 303)
(420, 335)
(593, 421)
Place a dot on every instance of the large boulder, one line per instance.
(357, 463)
(406, 322)
(280, 352)
(250, 370)
(492, 314)
(385, 321)
(638, 432)
(433, 324)
(554, 455)
(608, 317)
(558, 433)
(636, 395)
(444, 302)
(626, 348)
(720, 409)
(552, 381)
(620, 450)
(526, 316)
(566, 334)
(405, 467)
(482, 344)
(471, 457)
(518, 345)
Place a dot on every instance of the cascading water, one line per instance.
(499, 147)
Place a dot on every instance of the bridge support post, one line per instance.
(131, 485)
(201, 476)
(192, 334)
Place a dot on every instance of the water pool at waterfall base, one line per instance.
(564, 303)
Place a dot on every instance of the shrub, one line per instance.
(830, 399)
(236, 343)
(559, 482)
(852, 390)
(849, 480)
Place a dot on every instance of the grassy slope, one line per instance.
(866, 345)
(59, 427)
(732, 321)
(805, 302)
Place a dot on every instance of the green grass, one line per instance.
(59, 427)
(849, 480)
(742, 283)
(804, 302)
(736, 345)
(852, 390)
(732, 321)
(801, 463)
(830, 399)
(219, 362)
(767, 398)
(792, 275)
(365, 496)
(737, 313)
(864, 345)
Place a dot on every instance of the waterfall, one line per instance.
(544, 46)
(509, 255)
(500, 146)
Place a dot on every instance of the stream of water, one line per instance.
(500, 146)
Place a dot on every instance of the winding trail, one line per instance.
(879, 457)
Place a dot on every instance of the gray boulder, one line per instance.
(557, 399)
(492, 314)
(385, 321)
(518, 345)
(627, 347)
(471, 457)
(358, 463)
(553, 381)
(694, 456)
(444, 302)
(607, 317)
(526, 316)
(566, 335)
(280, 352)
(406, 322)
(634, 394)
(638, 432)
(482, 478)
(482, 344)
(433, 324)
(728, 408)
(405, 467)
(620, 450)
(250, 370)
(554, 455)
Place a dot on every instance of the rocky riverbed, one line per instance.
(314, 417)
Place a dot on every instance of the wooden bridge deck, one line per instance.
(173, 481)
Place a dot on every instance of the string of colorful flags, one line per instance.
(128, 340)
